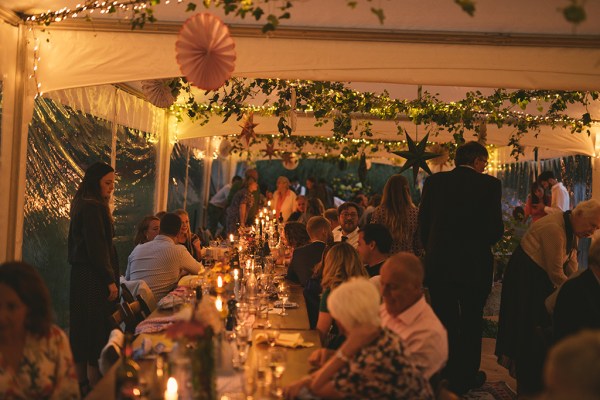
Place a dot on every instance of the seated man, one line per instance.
(300, 209)
(374, 244)
(305, 257)
(405, 311)
(161, 262)
(349, 214)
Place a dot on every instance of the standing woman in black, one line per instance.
(94, 270)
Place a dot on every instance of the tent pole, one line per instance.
(14, 148)
(163, 165)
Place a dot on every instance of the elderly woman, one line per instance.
(372, 363)
(147, 229)
(546, 256)
(283, 199)
(399, 214)
(190, 240)
(35, 356)
(341, 263)
(94, 270)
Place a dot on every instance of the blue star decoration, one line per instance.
(416, 156)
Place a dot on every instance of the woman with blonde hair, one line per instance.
(190, 240)
(398, 212)
(341, 263)
(283, 199)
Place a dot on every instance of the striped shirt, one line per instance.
(160, 263)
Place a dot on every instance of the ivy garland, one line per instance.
(336, 102)
(142, 11)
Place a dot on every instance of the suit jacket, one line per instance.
(460, 217)
(303, 261)
(577, 305)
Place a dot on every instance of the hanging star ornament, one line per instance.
(416, 156)
(270, 150)
(248, 129)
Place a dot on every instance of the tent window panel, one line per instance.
(187, 164)
(134, 193)
(61, 143)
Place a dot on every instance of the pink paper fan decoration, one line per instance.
(158, 92)
(205, 51)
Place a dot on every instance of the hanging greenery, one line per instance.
(351, 112)
(140, 12)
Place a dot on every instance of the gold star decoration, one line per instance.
(270, 150)
(248, 129)
(416, 156)
(286, 157)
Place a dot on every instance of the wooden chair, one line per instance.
(117, 319)
(126, 296)
(134, 313)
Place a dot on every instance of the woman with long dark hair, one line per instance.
(398, 212)
(94, 270)
(536, 202)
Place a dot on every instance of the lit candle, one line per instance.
(267, 219)
(240, 249)
(231, 238)
(236, 274)
(248, 261)
(274, 211)
(256, 221)
(171, 392)
(219, 304)
(219, 281)
(269, 203)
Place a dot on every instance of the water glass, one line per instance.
(277, 364)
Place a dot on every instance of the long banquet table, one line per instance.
(297, 359)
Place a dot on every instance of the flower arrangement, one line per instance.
(198, 336)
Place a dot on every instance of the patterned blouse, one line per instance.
(382, 370)
(411, 243)
(46, 370)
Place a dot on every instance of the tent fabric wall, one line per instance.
(90, 58)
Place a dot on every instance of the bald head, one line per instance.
(401, 282)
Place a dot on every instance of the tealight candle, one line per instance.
(171, 392)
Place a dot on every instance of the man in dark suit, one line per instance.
(305, 257)
(460, 218)
(578, 301)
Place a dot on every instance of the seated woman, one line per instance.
(35, 356)
(190, 240)
(341, 264)
(294, 235)
(147, 229)
(373, 362)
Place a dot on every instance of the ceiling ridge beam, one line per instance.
(347, 34)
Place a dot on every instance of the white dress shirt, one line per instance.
(422, 333)
(352, 236)
(159, 263)
(220, 198)
(560, 199)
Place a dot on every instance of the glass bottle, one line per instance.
(127, 376)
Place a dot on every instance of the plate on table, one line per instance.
(288, 304)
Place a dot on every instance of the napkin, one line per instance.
(155, 343)
(158, 324)
(291, 340)
(288, 304)
(169, 301)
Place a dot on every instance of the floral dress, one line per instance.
(46, 370)
(411, 242)
(382, 370)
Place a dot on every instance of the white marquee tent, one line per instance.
(511, 44)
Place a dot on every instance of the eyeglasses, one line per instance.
(349, 215)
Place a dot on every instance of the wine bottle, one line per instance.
(127, 376)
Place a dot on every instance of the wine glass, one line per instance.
(284, 295)
(277, 363)
(241, 340)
